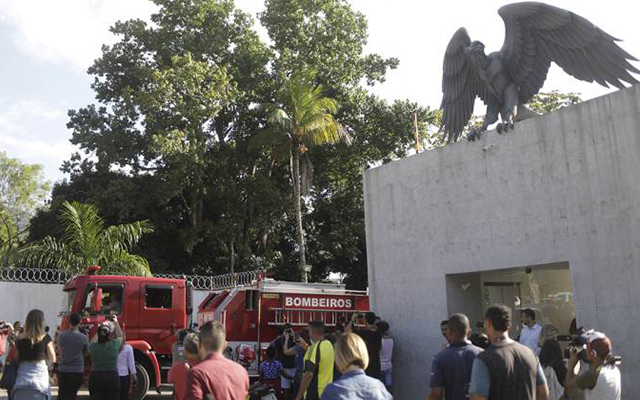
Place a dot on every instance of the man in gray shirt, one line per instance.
(73, 347)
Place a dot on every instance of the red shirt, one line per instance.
(178, 376)
(218, 378)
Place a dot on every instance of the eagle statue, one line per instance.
(536, 35)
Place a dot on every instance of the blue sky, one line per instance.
(46, 47)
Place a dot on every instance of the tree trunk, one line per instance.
(232, 257)
(295, 158)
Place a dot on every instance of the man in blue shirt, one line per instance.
(451, 369)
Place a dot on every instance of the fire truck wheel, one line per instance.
(142, 387)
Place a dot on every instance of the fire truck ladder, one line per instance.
(302, 317)
(221, 311)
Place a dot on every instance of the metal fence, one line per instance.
(199, 282)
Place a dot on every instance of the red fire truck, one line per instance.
(153, 310)
(252, 314)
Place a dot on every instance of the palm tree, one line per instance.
(85, 242)
(302, 119)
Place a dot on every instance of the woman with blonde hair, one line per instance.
(33, 349)
(352, 359)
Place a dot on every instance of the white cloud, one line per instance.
(35, 132)
(68, 32)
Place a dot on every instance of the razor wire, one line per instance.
(217, 282)
(199, 282)
(34, 275)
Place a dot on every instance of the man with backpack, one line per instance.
(318, 364)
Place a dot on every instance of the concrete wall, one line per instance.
(564, 187)
(17, 299)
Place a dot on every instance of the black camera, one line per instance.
(289, 331)
(579, 342)
(85, 329)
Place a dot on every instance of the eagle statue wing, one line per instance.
(460, 86)
(537, 34)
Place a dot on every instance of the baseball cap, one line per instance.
(599, 342)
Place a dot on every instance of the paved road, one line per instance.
(84, 394)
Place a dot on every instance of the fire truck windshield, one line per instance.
(111, 299)
(67, 303)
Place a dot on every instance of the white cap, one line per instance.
(593, 335)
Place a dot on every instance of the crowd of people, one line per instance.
(29, 358)
(352, 362)
(531, 368)
(311, 364)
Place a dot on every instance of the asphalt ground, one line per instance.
(83, 394)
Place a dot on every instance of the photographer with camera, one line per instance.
(285, 341)
(104, 381)
(372, 338)
(302, 344)
(602, 380)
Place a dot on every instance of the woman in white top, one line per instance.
(386, 355)
(34, 348)
(126, 371)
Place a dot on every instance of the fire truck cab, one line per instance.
(151, 311)
(253, 314)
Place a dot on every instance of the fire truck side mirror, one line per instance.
(96, 301)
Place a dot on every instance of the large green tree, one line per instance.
(85, 241)
(177, 107)
(22, 190)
